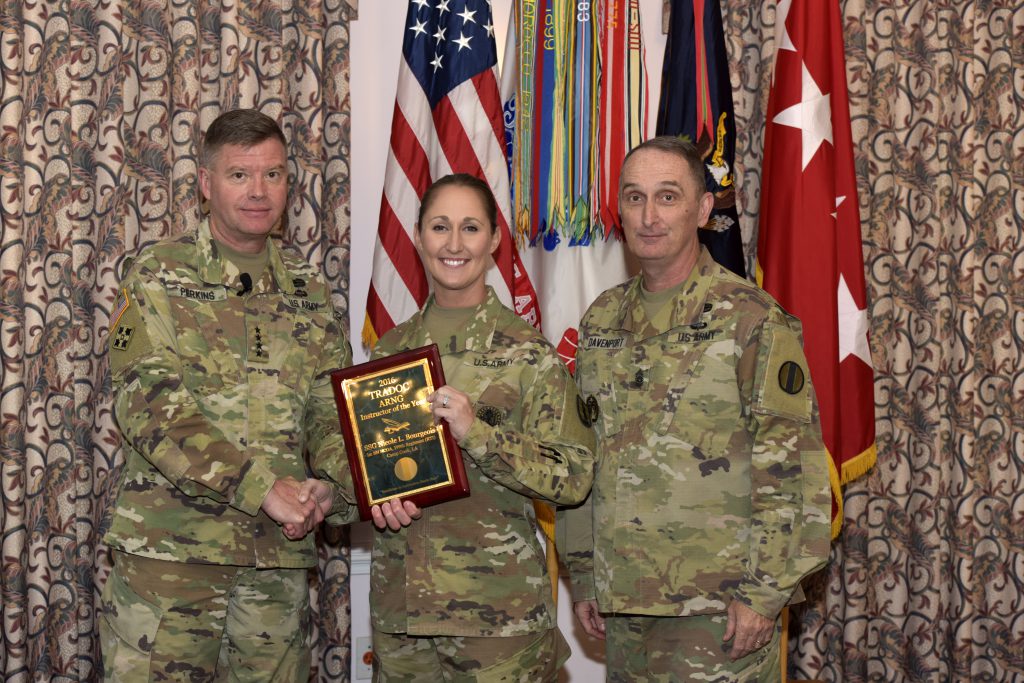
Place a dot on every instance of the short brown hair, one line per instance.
(675, 146)
(461, 180)
(242, 127)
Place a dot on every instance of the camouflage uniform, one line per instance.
(712, 481)
(473, 567)
(218, 395)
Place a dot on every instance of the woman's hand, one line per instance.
(394, 514)
(454, 407)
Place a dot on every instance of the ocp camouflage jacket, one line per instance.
(217, 395)
(473, 566)
(712, 480)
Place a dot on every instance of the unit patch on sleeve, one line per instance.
(791, 377)
(128, 340)
(781, 386)
(122, 337)
(588, 410)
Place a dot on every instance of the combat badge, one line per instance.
(491, 415)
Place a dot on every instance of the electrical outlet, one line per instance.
(364, 658)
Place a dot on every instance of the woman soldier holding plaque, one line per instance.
(463, 592)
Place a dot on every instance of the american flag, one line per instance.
(447, 118)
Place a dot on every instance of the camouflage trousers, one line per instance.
(534, 658)
(641, 648)
(171, 621)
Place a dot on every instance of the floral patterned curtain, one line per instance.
(101, 106)
(926, 582)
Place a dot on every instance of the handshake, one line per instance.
(299, 506)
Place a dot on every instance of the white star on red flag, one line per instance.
(853, 325)
(812, 115)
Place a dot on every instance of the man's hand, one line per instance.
(750, 631)
(394, 514)
(591, 621)
(282, 505)
(322, 495)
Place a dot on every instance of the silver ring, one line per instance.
(444, 400)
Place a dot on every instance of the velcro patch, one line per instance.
(584, 412)
(122, 305)
(782, 385)
(577, 424)
(791, 378)
(128, 339)
(122, 337)
(492, 415)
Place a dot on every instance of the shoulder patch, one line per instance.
(577, 424)
(492, 415)
(782, 385)
(122, 305)
(128, 339)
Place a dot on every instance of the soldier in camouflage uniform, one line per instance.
(463, 593)
(220, 349)
(711, 500)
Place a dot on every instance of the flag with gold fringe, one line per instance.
(809, 243)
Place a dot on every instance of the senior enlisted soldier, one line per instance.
(711, 500)
(220, 349)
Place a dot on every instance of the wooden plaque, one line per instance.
(394, 448)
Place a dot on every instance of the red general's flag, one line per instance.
(809, 244)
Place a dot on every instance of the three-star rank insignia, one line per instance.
(122, 337)
(491, 415)
(588, 410)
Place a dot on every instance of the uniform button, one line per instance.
(638, 380)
